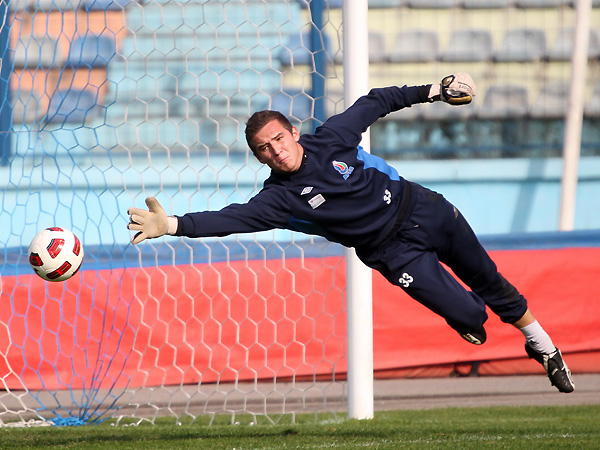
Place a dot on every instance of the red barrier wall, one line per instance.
(263, 319)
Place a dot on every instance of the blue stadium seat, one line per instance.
(504, 101)
(106, 5)
(92, 51)
(469, 45)
(297, 52)
(52, 5)
(293, 103)
(522, 45)
(72, 106)
(562, 50)
(415, 46)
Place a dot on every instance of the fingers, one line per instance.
(139, 237)
(464, 99)
(149, 223)
(136, 211)
(154, 206)
(135, 226)
(138, 218)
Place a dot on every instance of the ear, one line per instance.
(295, 133)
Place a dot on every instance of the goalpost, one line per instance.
(113, 101)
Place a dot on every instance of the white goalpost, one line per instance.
(359, 279)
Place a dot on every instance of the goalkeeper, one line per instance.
(325, 184)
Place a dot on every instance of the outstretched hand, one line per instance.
(148, 224)
(456, 89)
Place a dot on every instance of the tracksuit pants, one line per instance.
(432, 232)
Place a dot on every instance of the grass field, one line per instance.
(528, 428)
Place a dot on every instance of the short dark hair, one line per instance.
(259, 119)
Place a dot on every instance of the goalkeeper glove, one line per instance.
(152, 223)
(456, 89)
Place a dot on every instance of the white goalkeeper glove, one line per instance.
(456, 89)
(152, 223)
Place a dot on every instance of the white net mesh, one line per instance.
(118, 101)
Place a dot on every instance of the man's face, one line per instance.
(278, 148)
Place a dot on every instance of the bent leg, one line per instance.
(472, 264)
(428, 282)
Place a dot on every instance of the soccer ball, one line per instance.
(55, 254)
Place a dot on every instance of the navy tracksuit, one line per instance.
(397, 227)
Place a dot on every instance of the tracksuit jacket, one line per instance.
(340, 191)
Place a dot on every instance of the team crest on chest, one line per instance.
(343, 168)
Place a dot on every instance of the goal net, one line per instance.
(112, 101)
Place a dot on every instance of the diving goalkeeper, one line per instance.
(325, 184)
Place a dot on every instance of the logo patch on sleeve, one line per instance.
(343, 168)
(316, 201)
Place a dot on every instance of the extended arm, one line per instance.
(456, 90)
(265, 211)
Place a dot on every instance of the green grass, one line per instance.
(572, 427)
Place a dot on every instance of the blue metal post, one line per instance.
(5, 97)
(317, 47)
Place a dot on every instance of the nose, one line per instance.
(277, 148)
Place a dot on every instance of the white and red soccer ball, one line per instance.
(55, 254)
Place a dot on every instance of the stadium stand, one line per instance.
(157, 40)
(415, 46)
